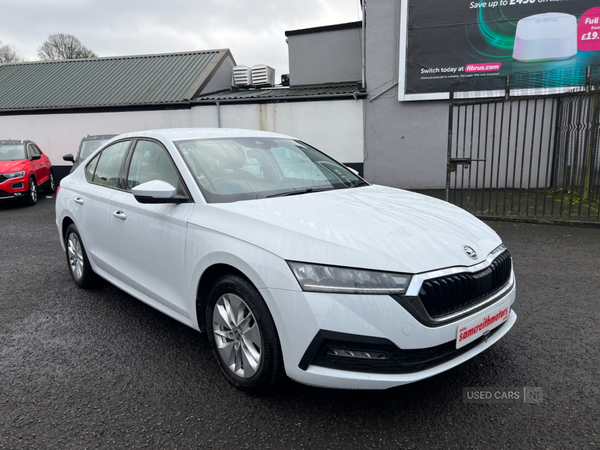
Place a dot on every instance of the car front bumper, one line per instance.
(361, 322)
(13, 188)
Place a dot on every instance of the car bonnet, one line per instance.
(372, 227)
(13, 166)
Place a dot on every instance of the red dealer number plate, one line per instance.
(472, 329)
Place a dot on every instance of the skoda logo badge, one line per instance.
(469, 252)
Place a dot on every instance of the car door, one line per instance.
(150, 238)
(44, 159)
(92, 205)
(39, 168)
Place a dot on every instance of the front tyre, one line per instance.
(243, 336)
(79, 264)
(32, 195)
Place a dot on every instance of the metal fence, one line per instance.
(528, 157)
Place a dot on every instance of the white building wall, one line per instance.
(59, 134)
(335, 127)
(332, 126)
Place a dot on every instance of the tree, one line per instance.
(64, 46)
(8, 54)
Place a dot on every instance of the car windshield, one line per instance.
(12, 152)
(233, 169)
(89, 147)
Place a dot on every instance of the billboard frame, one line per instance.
(402, 73)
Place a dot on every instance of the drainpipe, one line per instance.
(364, 38)
(219, 114)
(364, 106)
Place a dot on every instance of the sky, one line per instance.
(254, 30)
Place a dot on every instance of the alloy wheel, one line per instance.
(237, 335)
(33, 191)
(75, 255)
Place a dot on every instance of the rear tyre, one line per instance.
(77, 260)
(32, 195)
(243, 336)
(51, 187)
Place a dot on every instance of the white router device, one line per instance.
(545, 37)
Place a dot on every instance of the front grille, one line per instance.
(445, 295)
(3, 178)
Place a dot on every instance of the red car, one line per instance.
(24, 169)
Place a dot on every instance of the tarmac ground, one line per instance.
(100, 369)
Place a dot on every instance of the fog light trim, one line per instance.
(359, 354)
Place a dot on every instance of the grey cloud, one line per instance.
(253, 30)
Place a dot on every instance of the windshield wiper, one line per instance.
(300, 191)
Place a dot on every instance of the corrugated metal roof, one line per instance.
(106, 82)
(281, 93)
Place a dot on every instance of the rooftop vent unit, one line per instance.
(263, 75)
(242, 76)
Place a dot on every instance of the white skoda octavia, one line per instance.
(292, 263)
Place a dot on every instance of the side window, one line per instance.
(109, 165)
(36, 150)
(90, 169)
(150, 161)
(30, 152)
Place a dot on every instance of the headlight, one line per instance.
(317, 278)
(14, 174)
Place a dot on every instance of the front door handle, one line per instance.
(78, 200)
(120, 215)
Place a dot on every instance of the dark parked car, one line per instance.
(23, 170)
(87, 146)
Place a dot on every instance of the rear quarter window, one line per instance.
(90, 169)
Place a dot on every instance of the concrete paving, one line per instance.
(99, 369)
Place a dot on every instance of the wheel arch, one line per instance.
(244, 260)
(66, 221)
(207, 280)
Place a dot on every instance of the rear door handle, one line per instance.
(78, 200)
(120, 215)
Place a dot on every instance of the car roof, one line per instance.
(15, 141)
(181, 134)
(97, 137)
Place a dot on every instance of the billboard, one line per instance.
(475, 44)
